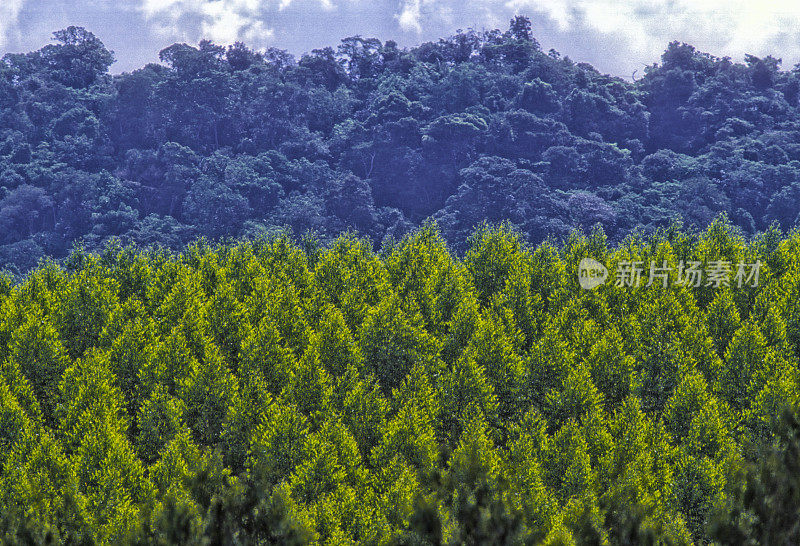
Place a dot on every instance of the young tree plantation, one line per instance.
(273, 392)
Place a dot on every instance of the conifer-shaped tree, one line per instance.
(84, 308)
(474, 481)
(722, 320)
(335, 345)
(226, 317)
(393, 341)
(464, 391)
(131, 337)
(36, 351)
(493, 350)
(363, 408)
(743, 359)
(491, 257)
(410, 433)
(279, 443)
(612, 370)
(249, 408)
(94, 427)
(527, 493)
(310, 389)
(209, 391)
(159, 420)
(351, 277)
(40, 493)
(265, 356)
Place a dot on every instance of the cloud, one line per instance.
(636, 32)
(722, 27)
(420, 15)
(414, 12)
(410, 15)
(223, 21)
(9, 11)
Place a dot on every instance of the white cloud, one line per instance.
(222, 21)
(410, 15)
(228, 21)
(420, 15)
(722, 27)
(9, 11)
(326, 4)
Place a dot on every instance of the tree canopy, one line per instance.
(287, 391)
(228, 142)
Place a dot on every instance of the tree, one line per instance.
(22, 212)
(131, 341)
(337, 349)
(40, 494)
(410, 435)
(472, 480)
(93, 426)
(489, 260)
(36, 350)
(465, 391)
(279, 444)
(493, 350)
(159, 420)
(363, 408)
(310, 387)
(393, 342)
(216, 207)
(265, 356)
(744, 358)
(208, 392)
(612, 370)
(763, 502)
(79, 60)
(521, 28)
(86, 306)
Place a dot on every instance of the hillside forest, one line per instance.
(223, 142)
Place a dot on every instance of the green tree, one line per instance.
(393, 341)
(36, 350)
(762, 506)
(85, 307)
(209, 391)
(744, 358)
(279, 444)
(159, 420)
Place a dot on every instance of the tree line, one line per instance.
(229, 142)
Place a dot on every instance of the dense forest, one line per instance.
(251, 299)
(273, 392)
(229, 142)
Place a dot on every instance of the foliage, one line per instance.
(285, 392)
(481, 126)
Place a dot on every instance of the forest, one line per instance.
(228, 142)
(252, 299)
(286, 392)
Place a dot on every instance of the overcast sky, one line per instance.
(617, 37)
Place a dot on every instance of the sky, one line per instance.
(617, 37)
